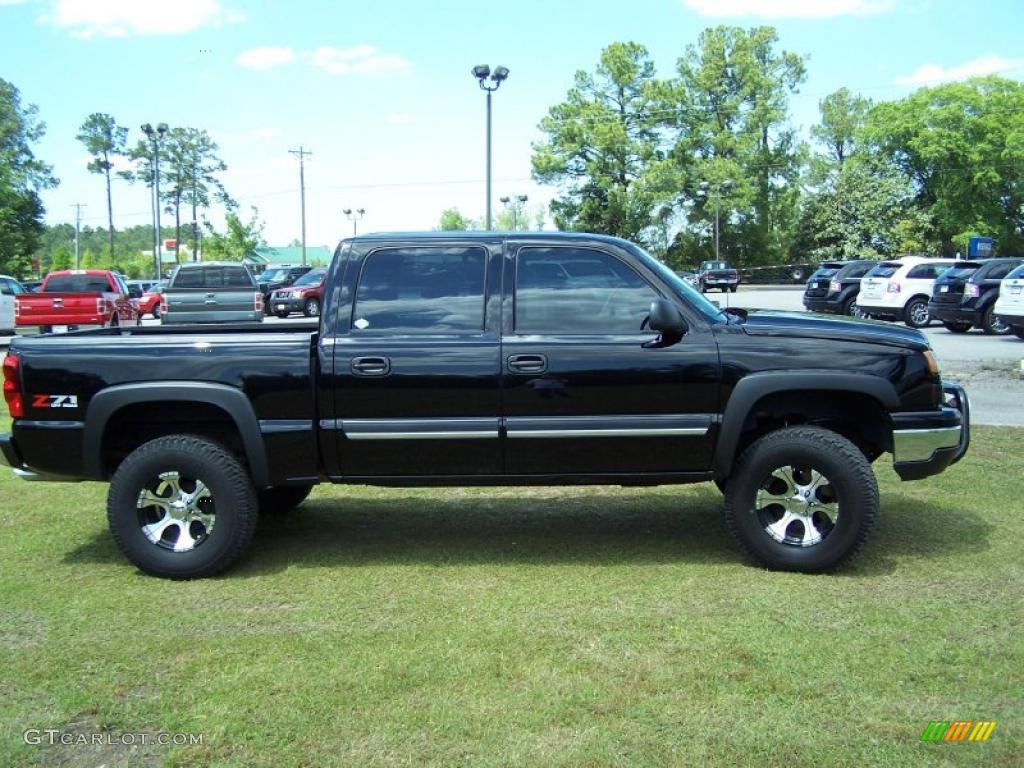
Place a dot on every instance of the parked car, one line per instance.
(1009, 307)
(150, 304)
(965, 295)
(74, 298)
(277, 277)
(717, 274)
(900, 289)
(9, 290)
(834, 287)
(305, 295)
(471, 359)
(689, 277)
(211, 292)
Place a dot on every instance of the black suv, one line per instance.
(964, 297)
(273, 278)
(834, 287)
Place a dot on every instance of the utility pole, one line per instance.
(78, 225)
(301, 153)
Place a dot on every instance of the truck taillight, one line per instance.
(972, 290)
(103, 307)
(163, 303)
(258, 302)
(893, 288)
(17, 308)
(12, 386)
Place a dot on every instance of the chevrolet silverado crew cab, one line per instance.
(449, 359)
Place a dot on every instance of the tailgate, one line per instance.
(60, 308)
(873, 288)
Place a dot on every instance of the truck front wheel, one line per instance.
(802, 499)
(181, 507)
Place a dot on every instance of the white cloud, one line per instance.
(360, 60)
(991, 64)
(399, 118)
(779, 9)
(265, 57)
(121, 18)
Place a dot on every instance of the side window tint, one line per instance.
(421, 290)
(578, 290)
(6, 288)
(1000, 271)
(924, 272)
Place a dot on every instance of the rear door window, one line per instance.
(431, 290)
(999, 271)
(78, 284)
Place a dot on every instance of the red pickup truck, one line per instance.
(70, 299)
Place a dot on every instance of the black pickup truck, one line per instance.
(485, 359)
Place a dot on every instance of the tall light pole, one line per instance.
(705, 192)
(156, 136)
(355, 217)
(301, 153)
(517, 202)
(483, 74)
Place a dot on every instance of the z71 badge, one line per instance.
(55, 401)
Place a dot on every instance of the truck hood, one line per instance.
(761, 322)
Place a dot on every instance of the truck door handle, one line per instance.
(371, 366)
(527, 363)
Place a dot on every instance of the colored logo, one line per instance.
(958, 730)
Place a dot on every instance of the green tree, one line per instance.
(603, 151)
(22, 177)
(864, 211)
(730, 103)
(842, 116)
(453, 221)
(62, 258)
(104, 139)
(191, 169)
(239, 240)
(962, 146)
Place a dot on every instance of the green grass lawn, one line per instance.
(534, 627)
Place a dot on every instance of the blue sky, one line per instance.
(381, 91)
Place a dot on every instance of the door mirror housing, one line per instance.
(666, 319)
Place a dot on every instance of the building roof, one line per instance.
(289, 254)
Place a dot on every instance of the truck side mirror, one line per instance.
(666, 319)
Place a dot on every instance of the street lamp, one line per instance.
(718, 187)
(156, 136)
(483, 74)
(515, 208)
(355, 217)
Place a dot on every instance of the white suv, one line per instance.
(900, 289)
(1010, 305)
(9, 289)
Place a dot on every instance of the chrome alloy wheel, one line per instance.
(919, 313)
(172, 516)
(797, 506)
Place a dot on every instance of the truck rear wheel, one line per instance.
(802, 499)
(181, 507)
(282, 498)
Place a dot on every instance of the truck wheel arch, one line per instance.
(755, 387)
(233, 402)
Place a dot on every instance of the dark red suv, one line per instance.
(304, 295)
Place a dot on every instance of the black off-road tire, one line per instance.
(232, 495)
(851, 481)
(282, 498)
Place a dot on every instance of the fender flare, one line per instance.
(232, 401)
(752, 388)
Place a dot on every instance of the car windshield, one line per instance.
(825, 271)
(274, 275)
(885, 269)
(960, 270)
(692, 296)
(313, 277)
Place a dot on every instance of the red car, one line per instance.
(72, 298)
(149, 304)
(304, 295)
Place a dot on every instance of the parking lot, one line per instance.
(989, 366)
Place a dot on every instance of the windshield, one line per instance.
(274, 275)
(825, 271)
(885, 269)
(692, 296)
(313, 277)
